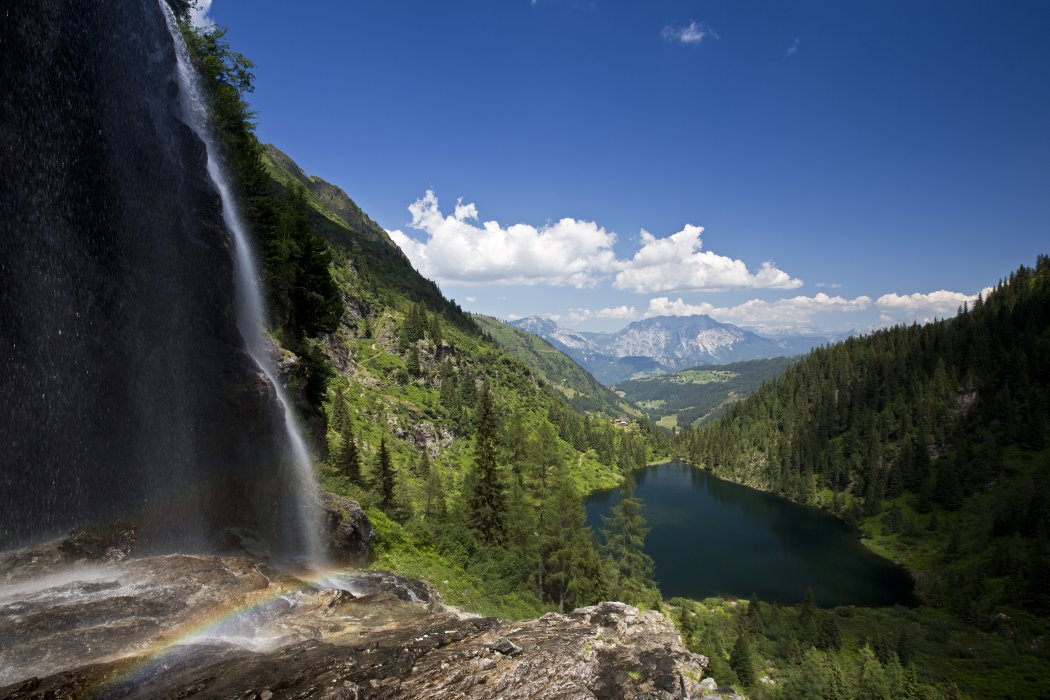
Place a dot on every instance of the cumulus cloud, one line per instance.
(459, 249)
(692, 33)
(567, 252)
(616, 312)
(793, 49)
(678, 263)
(923, 308)
(792, 313)
(199, 13)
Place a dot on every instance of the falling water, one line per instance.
(250, 316)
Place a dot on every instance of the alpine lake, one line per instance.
(711, 537)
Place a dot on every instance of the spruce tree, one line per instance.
(487, 503)
(385, 476)
(741, 660)
(625, 533)
(433, 494)
(349, 457)
(413, 361)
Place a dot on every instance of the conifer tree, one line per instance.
(413, 361)
(569, 571)
(625, 533)
(349, 457)
(487, 501)
(385, 476)
(340, 416)
(741, 660)
(433, 494)
(808, 622)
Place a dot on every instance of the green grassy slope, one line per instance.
(582, 390)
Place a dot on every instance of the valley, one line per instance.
(255, 448)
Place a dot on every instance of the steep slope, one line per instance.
(582, 390)
(695, 396)
(933, 440)
(406, 405)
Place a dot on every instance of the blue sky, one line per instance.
(850, 164)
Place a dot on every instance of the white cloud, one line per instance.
(472, 299)
(458, 249)
(793, 313)
(617, 312)
(465, 211)
(692, 33)
(677, 263)
(793, 49)
(199, 13)
(567, 252)
(900, 308)
(828, 285)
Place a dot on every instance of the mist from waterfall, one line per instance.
(250, 308)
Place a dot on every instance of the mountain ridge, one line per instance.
(664, 344)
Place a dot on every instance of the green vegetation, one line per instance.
(469, 463)
(933, 441)
(696, 396)
(582, 390)
(302, 298)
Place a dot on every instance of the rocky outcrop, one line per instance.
(102, 543)
(230, 627)
(347, 530)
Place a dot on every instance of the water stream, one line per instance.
(250, 310)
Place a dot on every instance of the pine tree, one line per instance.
(741, 660)
(872, 683)
(340, 416)
(413, 361)
(433, 494)
(625, 533)
(385, 476)
(487, 502)
(569, 568)
(808, 623)
(349, 457)
(828, 636)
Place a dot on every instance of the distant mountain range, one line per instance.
(665, 344)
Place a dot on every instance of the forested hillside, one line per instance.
(462, 455)
(933, 440)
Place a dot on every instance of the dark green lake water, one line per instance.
(711, 537)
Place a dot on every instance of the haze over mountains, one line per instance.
(664, 344)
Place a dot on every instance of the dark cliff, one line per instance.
(126, 389)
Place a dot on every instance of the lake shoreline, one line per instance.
(773, 508)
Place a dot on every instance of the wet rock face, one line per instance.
(181, 626)
(127, 392)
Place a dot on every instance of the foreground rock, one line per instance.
(209, 626)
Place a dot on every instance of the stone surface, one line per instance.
(230, 627)
(347, 530)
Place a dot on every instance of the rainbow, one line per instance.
(216, 624)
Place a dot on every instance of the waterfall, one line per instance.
(250, 313)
